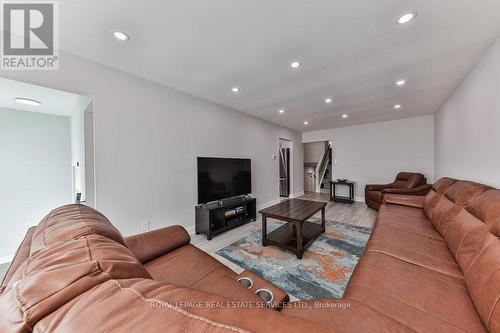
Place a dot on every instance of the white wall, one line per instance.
(375, 153)
(35, 171)
(77, 126)
(468, 125)
(313, 151)
(89, 156)
(147, 138)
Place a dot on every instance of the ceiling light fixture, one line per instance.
(281, 111)
(27, 101)
(345, 116)
(235, 89)
(397, 106)
(405, 18)
(121, 36)
(306, 123)
(400, 83)
(295, 64)
(328, 100)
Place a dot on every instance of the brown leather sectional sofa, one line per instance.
(432, 265)
(408, 183)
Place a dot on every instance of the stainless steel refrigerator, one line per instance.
(284, 172)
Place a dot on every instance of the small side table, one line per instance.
(337, 198)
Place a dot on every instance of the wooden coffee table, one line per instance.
(297, 234)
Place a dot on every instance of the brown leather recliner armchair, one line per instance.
(406, 183)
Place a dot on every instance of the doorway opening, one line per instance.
(318, 167)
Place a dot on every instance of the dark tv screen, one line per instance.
(220, 178)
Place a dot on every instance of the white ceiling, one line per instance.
(351, 50)
(53, 101)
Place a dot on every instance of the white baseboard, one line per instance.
(359, 199)
(6, 259)
(296, 195)
(268, 204)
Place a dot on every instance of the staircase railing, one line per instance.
(322, 166)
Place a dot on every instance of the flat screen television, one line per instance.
(220, 178)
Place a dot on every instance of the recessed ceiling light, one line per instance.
(328, 100)
(400, 83)
(235, 89)
(306, 123)
(345, 116)
(405, 18)
(295, 64)
(27, 101)
(281, 111)
(121, 36)
(397, 106)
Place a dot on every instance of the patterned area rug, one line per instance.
(324, 271)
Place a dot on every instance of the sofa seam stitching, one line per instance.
(399, 301)
(204, 276)
(432, 276)
(181, 311)
(413, 263)
(490, 315)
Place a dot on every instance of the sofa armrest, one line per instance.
(419, 190)
(416, 201)
(150, 245)
(377, 187)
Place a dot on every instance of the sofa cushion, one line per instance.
(186, 266)
(416, 223)
(139, 305)
(56, 274)
(430, 202)
(483, 280)
(419, 298)
(465, 236)
(150, 245)
(190, 267)
(443, 184)
(424, 260)
(486, 208)
(408, 224)
(344, 316)
(374, 195)
(408, 180)
(72, 222)
(449, 206)
(411, 241)
(462, 192)
(438, 190)
(404, 211)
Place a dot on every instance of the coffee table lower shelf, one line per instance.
(286, 237)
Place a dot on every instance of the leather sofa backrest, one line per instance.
(453, 201)
(437, 191)
(477, 231)
(21, 255)
(72, 222)
(467, 230)
(73, 250)
(408, 180)
(467, 215)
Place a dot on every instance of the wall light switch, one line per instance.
(145, 226)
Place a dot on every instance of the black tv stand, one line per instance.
(223, 215)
